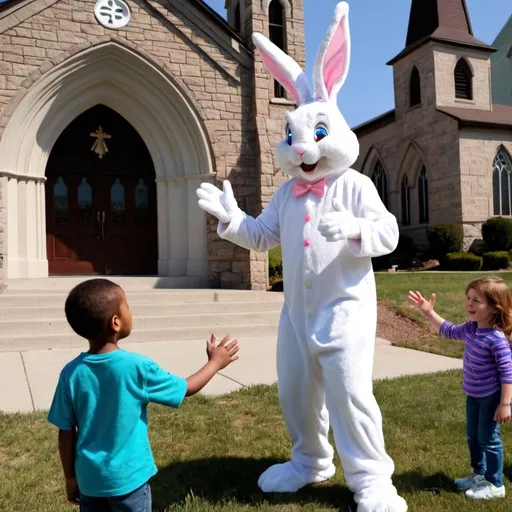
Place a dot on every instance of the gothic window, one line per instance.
(381, 182)
(406, 202)
(463, 80)
(117, 202)
(238, 20)
(277, 36)
(60, 202)
(423, 196)
(501, 184)
(85, 202)
(414, 88)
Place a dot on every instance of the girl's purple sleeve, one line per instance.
(503, 356)
(452, 332)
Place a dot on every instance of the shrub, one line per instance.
(463, 261)
(404, 253)
(497, 233)
(381, 262)
(496, 260)
(444, 238)
(275, 262)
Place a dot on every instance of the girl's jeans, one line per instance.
(485, 447)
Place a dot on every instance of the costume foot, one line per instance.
(382, 504)
(291, 476)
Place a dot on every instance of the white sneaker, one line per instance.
(486, 491)
(463, 484)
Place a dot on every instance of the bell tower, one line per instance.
(443, 64)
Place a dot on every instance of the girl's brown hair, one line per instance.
(497, 293)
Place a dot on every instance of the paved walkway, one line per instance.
(28, 379)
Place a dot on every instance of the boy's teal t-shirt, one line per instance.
(105, 396)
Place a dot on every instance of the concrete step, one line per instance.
(47, 309)
(59, 324)
(127, 282)
(14, 298)
(40, 341)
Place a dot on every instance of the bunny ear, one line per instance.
(283, 68)
(333, 59)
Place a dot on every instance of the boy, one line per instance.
(101, 398)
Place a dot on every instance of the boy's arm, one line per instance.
(219, 356)
(198, 380)
(67, 442)
(166, 389)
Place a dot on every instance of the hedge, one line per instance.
(496, 260)
(463, 261)
(497, 233)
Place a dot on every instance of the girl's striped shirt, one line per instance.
(487, 357)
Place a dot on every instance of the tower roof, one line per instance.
(445, 21)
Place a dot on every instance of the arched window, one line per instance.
(238, 19)
(501, 183)
(406, 202)
(463, 80)
(381, 182)
(414, 88)
(423, 196)
(277, 35)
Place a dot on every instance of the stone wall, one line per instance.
(478, 148)
(445, 61)
(214, 73)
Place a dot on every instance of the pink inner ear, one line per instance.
(335, 61)
(276, 71)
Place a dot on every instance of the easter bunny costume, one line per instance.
(330, 222)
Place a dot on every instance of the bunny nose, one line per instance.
(300, 150)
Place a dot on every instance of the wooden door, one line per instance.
(101, 213)
(74, 244)
(129, 213)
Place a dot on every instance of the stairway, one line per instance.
(32, 312)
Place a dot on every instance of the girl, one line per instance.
(487, 377)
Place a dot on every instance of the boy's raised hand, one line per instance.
(224, 353)
(421, 304)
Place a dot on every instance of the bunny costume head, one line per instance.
(318, 142)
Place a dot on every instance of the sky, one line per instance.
(368, 90)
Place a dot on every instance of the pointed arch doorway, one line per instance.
(101, 211)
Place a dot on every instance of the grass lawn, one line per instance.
(211, 452)
(450, 302)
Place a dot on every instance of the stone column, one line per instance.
(26, 233)
(3, 244)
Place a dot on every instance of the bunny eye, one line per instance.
(320, 133)
(289, 137)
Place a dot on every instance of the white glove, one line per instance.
(222, 205)
(339, 225)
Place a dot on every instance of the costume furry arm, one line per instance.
(378, 227)
(256, 234)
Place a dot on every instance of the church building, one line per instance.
(443, 154)
(112, 112)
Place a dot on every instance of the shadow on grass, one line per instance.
(224, 480)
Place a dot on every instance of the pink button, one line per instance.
(307, 218)
(307, 243)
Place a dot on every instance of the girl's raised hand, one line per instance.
(421, 304)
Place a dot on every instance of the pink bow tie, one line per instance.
(303, 187)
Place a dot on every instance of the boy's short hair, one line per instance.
(91, 305)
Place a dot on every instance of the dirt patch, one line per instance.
(395, 327)
(243, 420)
